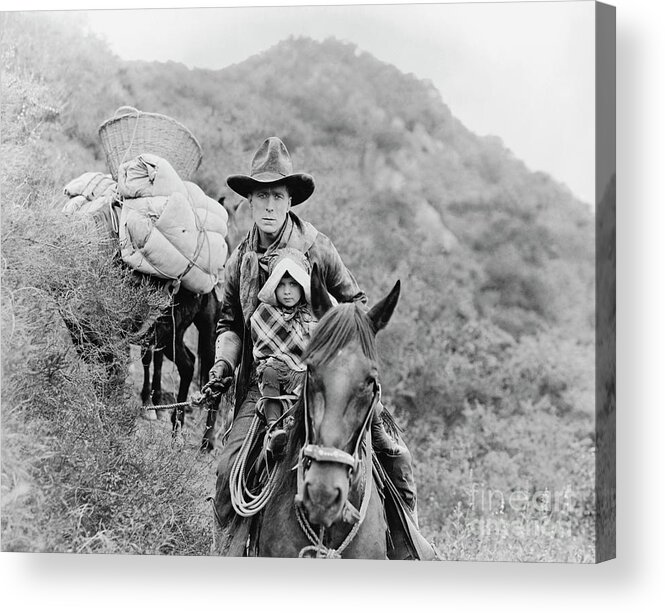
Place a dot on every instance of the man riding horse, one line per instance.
(273, 190)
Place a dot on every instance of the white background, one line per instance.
(633, 582)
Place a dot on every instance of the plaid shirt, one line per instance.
(282, 333)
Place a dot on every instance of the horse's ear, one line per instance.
(380, 314)
(231, 207)
(321, 302)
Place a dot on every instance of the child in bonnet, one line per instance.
(280, 328)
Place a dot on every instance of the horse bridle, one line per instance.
(319, 453)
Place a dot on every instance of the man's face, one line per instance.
(288, 292)
(269, 208)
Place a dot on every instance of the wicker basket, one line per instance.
(131, 132)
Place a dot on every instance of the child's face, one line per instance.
(288, 292)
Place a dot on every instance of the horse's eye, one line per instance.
(367, 383)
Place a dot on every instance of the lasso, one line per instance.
(245, 502)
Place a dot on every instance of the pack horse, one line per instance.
(164, 227)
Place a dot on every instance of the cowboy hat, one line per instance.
(293, 262)
(272, 164)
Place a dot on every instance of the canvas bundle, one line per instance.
(168, 227)
(148, 175)
(92, 185)
(88, 193)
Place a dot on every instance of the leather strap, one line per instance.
(328, 454)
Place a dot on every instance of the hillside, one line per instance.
(489, 358)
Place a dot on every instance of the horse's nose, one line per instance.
(322, 496)
(323, 504)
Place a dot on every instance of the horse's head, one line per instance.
(341, 392)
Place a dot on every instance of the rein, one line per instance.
(318, 453)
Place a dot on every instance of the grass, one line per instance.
(81, 472)
(506, 493)
(85, 485)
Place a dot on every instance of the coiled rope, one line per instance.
(245, 502)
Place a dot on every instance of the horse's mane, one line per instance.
(337, 328)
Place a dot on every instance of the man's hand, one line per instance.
(220, 378)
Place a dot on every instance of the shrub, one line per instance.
(78, 473)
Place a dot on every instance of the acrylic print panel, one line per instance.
(466, 150)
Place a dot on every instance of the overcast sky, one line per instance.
(523, 71)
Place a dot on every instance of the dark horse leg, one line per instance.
(170, 332)
(184, 361)
(151, 392)
(205, 322)
(202, 311)
(146, 360)
(146, 395)
(157, 361)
